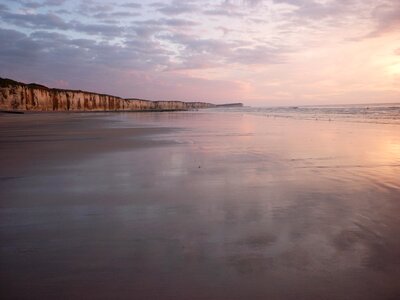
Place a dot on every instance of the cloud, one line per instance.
(179, 22)
(47, 20)
(54, 2)
(131, 5)
(253, 2)
(319, 10)
(3, 7)
(227, 9)
(115, 15)
(223, 12)
(385, 15)
(89, 8)
(176, 7)
(29, 4)
(195, 44)
(52, 21)
(201, 53)
(173, 22)
(46, 48)
(46, 35)
(387, 18)
(148, 29)
(98, 29)
(16, 49)
(35, 5)
(258, 55)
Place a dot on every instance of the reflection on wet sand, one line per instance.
(222, 206)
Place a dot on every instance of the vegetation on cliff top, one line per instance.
(5, 82)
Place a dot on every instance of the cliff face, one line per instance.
(18, 96)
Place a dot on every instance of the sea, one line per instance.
(386, 113)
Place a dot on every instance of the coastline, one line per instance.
(17, 96)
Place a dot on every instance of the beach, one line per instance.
(198, 205)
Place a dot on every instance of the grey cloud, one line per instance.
(123, 14)
(116, 14)
(315, 10)
(176, 7)
(226, 8)
(83, 43)
(147, 49)
(7, 36)
(257, 55)
(34, 4)
(29, 4)
(387, 17)
(90, 7)
(384, 15)
(253, 2)
(204, 53)
(3, 7)
(225, 30)
(145, 29)
(148, 28)
(226, 51)
(54, 2)
(54, 52)
(195, 61)
(223, 12)
(98, 29)
(48, 20)
(131, 5)
(41, 58)
(198, 53)
(53, 21)
(292, 2)
(46, 35)
(157, 4)
(62, 11)
(16, 49)
(198, 45)
(108, 12)
(179, 22)
(166, 21)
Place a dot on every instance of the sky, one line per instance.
(259, 52)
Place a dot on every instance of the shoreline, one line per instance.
(91, 111)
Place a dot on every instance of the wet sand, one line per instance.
(197, 205)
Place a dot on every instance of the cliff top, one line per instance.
(4, 82)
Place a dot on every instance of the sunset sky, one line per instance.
(271, 52)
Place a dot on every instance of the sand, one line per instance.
(197, 205)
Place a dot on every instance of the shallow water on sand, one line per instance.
(198, 205)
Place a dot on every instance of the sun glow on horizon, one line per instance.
(394, 68)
